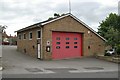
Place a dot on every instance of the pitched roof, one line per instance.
(40, 24)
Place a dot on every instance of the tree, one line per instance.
(55, 15)
(110, 29)
(2, 28)
(50, 18)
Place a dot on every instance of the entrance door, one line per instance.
(39, 51)
(66, 45)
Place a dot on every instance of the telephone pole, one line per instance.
(69, 6)
(119, 8)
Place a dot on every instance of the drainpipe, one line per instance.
(41, 44)
(1, 52)
(0, 43)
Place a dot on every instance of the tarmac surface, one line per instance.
(17, 64)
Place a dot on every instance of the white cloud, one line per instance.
(17, 14)
(108, 2)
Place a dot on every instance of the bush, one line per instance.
(107, 54)
(118, 50)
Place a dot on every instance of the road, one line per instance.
(19, 65)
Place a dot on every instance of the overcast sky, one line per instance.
(17, 14)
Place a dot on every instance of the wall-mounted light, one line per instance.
(48, 48)
(88, 32)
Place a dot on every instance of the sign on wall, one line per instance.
(48, 43)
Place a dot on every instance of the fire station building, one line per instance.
(62, 37)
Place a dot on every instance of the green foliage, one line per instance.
(110, 22)
(110, 29)
(55, 15)
(2, 28)
(50, 18)
(118, 49)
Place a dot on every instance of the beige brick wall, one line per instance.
(29, 45)
(66, 24)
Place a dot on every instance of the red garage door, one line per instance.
(66, 45)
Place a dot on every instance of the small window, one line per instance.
(58, 38)
(57, 47)
(75, 38)
(30, 35)
(57, 42)
(67, 47)
(38, 34)
(19, 36)
(75, 46)
(67, 42)
(67, 38)
(24, 36)
(75, 42)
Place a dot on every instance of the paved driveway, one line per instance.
(18, 63)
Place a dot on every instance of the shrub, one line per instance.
(118, 49)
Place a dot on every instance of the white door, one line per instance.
(38, 55)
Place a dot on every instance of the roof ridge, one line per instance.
(57, 18)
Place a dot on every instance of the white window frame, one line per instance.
(37, 34)
(19, 36)
(29, 35)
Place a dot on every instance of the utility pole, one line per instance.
(119, 8)
(69, 6)
(2, 28)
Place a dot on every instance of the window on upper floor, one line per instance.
(24, 36)
(38, 34)
(30, 35)
(19, 36)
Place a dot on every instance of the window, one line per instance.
(30, 35)
(67, 47)
(67, 38)
(58, 47)
(39, 34)
(75, 42)
(24, 36)
(58, 38)
(67, 42)
(75, 46)
(19, 36)
(75, 38)
(57, 42)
